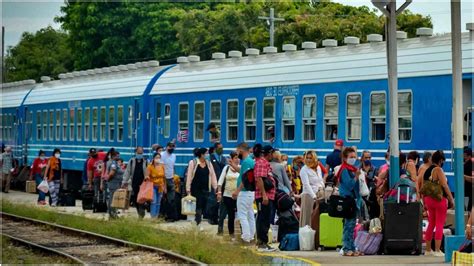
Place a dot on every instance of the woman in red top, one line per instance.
(37, 171)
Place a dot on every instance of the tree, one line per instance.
(44, 53)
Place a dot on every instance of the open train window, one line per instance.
(111, 123)
(331, 109)
(58, 125)
(268, 119)
(103, 117)
(120, 123)
(232, 120)
(167, 124)
(199, 121)
(87, 123)
(377, 116)
(353, 117)
(215, 116)
(404, 115)
(309, 118)
(65, 124)
(250, 120)
(289, 106)
(95, 123)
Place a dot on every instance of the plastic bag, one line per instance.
(306, 238)
(188, 205)
(363, 188)
(43, 186)
(146, 192)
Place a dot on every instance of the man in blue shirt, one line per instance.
(333, 159)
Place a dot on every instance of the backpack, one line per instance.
(283, 201)
(290, 242)
(248, 180)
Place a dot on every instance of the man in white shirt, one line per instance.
(169, 160)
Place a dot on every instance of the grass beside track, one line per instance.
(192, 244)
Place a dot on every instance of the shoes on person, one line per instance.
(429, 253)
(265, 248)
(438, 254)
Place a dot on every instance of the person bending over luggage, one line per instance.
(54, 175)
(225, 187)
(200, 178)
(155, 172)
(348, 180)
(437, 198)
(113, 181)
(38, 171)
(133, 178)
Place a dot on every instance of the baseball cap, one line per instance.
(92, 150)
(267, 149)
(170, 144)
(339, 142)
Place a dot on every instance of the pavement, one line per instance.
(279, 257)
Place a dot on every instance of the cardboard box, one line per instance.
(121, 199)
(30, 186)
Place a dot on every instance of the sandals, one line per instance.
(351, 254)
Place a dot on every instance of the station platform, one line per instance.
(281, 257)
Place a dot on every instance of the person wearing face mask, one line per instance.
(113, 182)
(155, 172)
(348, 183)
(421, 172)
(413, 158)
(214, 209)
(7, 161)
(370, 173)
(436, 204)
(54, 176)
(279, 172)
(133, 178)
(169, 159)
(37, 172)
(95, 168)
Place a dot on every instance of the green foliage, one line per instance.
(45, 53)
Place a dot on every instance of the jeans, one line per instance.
(96, 185)
(170, 194)
(41, 194)
(222, 215)
(111, 187)
(155, 204)
(348, 235)
(263, 221)
(246, 215)
(201, 202)
(229, 206)
(54, 191)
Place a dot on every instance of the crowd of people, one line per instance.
(221, 186)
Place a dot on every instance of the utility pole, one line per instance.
(271, 22)
(389, 9)
(3, 51)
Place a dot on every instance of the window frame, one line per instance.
(326, 117)
(347, 117)
(45, 117)
(64, 124)
(57, 126)
(218, 123)
(232, 120)
(283, 119)
(72, 133)
(102, 125)
(111, 126)
(167, 120)
(120, 124)
(39, 129)
(411, 116)
(51, 120)
(264, 120)
(195, 122)
(95, 133)
(303, 119)
(375, 117)
(253, 121)
(87, 123)
(179, 115)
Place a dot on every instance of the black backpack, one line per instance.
(283, 201)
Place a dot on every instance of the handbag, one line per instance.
(146, 192)
(432, 189)
(342, 207)
(363, 188)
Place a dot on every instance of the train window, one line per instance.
(289, 105)
(64, 124)
(158, 117)
(167, 125)
(183, 117)
(51, 125)
(309, 118)
(232, 120)
(130, 121)
(250, 120)
(215, 116)
(72, 119)
(353, 117)
(45, 124)
(29, 125)
(2, 126)
(404, 115)
(58, 125)
(87, 121)
(102, 123)
(331, 109)
(95, 123)
(111, 123)
(5, 129)
(268, 119)
(79, 124)
(120, 123)
(199, 121)
(377, 116)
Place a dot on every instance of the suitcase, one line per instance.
(100, 202)
(87, 199)
(120, 199)
(330, 231)
(66, 198)
(30, 186)
(403, 227)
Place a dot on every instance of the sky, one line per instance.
(19, 16)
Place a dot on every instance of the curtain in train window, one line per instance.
(268, 119)
(87, 121)
(95, 124)
(331, 109)
(216, 116)
(183, 117)
(250, 120)
(167, 125)
(58, 125)
(289, 106)
(309, 118)
(199, 121)
(377, 116)
(232, 120)
(112, 123)
(102, 124)
(72, 118)
(404, 116)
(79, 124)
(120, 123)
(51, 125)
(65, 116)
(353, 116)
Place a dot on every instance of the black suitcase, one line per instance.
(87, 199)
(402, 227)
(100, 202)
(66, 198)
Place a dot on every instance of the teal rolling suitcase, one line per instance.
(330, 231)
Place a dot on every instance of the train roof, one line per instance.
(13, 93)
(121, 81)
(422, 56)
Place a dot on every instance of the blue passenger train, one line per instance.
(296, 99)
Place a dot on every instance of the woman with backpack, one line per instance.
(227, 185)
(200, 178)
(155, 172)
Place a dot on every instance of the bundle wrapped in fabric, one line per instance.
(146, 192)
(121, 199)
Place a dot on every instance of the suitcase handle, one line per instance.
(398, 193)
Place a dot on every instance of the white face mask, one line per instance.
(42, 157)
(388, 162)
(157, 160)
(57, 155)
(351, 161)
(284, 163)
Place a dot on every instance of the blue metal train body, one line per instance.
(309, 97)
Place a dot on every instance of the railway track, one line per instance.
(84, 247)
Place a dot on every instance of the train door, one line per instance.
(468, 105)
(156, 122)
(134, 119)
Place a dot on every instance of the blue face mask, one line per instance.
(367, 163)
(139, 156)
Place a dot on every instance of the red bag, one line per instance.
(146, 192)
